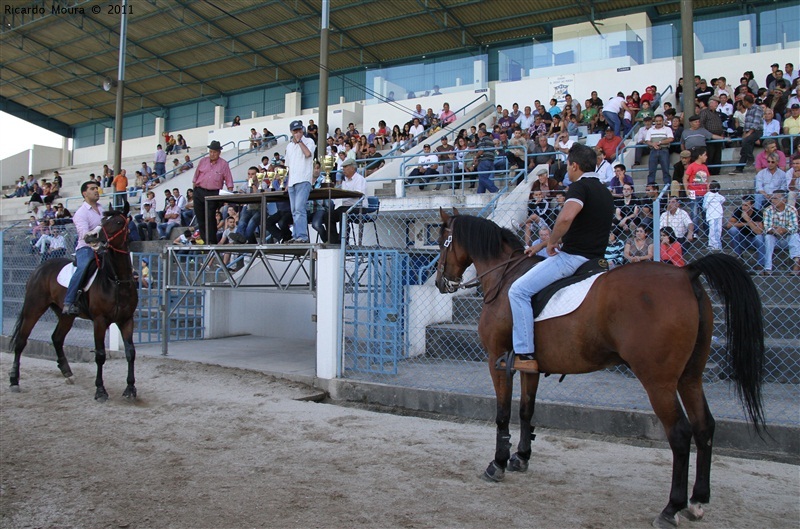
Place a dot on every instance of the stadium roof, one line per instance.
(52, 64)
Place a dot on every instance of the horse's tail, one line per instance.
(728, 277)
(15, 332)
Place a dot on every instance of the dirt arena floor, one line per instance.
(213, 447)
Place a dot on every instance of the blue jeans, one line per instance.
(740, 242)
(485, 169)
(165, 228)
(249, 220)
(298, 197)
(523, 289)
(613, 120)
(83, 257)
(790, 241)
(160, 168)
(658, 157)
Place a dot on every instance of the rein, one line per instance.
(124, 233)
(509, 264)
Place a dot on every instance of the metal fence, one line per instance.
(399, 330)
(21, 255)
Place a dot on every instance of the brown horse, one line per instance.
(112, 298)
(667, 355)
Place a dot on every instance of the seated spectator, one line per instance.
(615, 251)
(227, 233)
(677, 133)
(172, 218)
(645, 111)
(176, 167)
(609, 144)
(539, 246)
(106, 177)
(620, 179)
(35, 198)
(427, 168)
(626, 211)
(544, 183)
(180, 144)
(538, 153)
(144, 275)
(170, 143)
(646, 205)
(236, 121)
(770, 179)
(539, 215)
(187, 214)
(255, 139)
(63, 216)
(746, 228)
(793, 176)
(353, 181)
(671, 251)
(447, 116)
(770, 147)
(374, 159)
(49, 213)
(268, 138)
(446, 154)
(639, 247)
(187, 164)
(146, 222)
(603, 169)
(680, 222)
(781, 230)
(772, 126)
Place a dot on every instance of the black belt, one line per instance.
(205, 189)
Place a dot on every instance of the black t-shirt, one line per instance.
(588, 234)
(626, 209)
(375, 161)
(745, 230)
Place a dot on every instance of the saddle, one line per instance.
(588, 269)
(68, 271)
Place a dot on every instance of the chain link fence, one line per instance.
(24, 248)
(399, 330)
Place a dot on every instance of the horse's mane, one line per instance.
(482, 238)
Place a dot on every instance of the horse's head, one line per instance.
(452, 259)
(113, 231)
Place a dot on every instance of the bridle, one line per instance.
(454, 285)
(123, 231)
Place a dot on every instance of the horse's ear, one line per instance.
(444, 215)
(455, 212)
(126, 209)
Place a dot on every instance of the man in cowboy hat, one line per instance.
(212, 173)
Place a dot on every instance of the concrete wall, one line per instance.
(399, 113)
(45, 158)
(13, 167)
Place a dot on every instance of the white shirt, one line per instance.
(712, 202)
(613, 105)
(301, 169)
(525, 122)
(181, 202)
(658, 135)
(773, 127)
(416, 130)
(605, 172)
(357, 183)
(426, 160)
(679, 222)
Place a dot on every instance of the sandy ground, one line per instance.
(213, 447)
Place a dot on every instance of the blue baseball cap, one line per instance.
(296, 124)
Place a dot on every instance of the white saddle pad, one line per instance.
(567, 299)
(66, 274)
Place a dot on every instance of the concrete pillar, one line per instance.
(66, 154)
(160, 129)
(328, 274)
(219, 117)
(108, 141)
(293, 104)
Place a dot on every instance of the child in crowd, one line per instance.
(713, 204)
(671, 251)
(614, 251)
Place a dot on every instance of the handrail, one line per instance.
(252, 150)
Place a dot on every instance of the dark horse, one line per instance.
(667, 354)
(112, 298)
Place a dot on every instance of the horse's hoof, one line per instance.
(493, 473)
(15, 389)
(67, 374)
(69, 381)
(665, 522)
(129, 393)
(101, 395)
(517, 464)
(693, 512)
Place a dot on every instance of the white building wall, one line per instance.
(14, 166)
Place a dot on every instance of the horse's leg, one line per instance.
(679, 435)
(59, 334)
(100, 358)
(530, 384)
(30, 314)
(503, 385)
(130, 356)
(703, 425)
